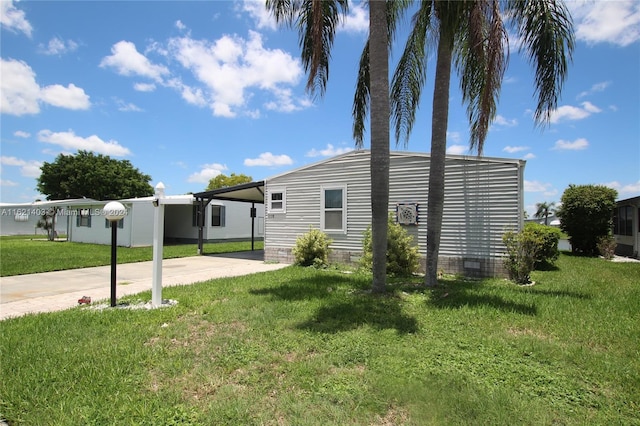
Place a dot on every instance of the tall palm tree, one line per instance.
(472, 36)
(316, 21)
(544, 209)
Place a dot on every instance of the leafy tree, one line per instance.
(544, 209)
(472, 36)
(402, 257)
(316, 21)
(92, 176)
(224, 181)
(586, 216)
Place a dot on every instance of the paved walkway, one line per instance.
(54, 291)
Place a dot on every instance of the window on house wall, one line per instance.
(623, 220)
(217, 215)
(83, 218)
(333, 216)
(107, 224)
(277, 201)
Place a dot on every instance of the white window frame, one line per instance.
(270, 207)
(323, 210)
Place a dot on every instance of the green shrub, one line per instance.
(586, 215)
(607, 246)
(547, 237)
(312, 249)
(403, 257)
(522, 252)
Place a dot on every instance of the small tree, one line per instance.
(48, 223)
(403, 257)
(544, 210)
(547, 238)
(312, 249)
(586, 216)
(92, 176)
(522, 252)
(224, 181)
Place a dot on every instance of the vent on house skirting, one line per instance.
(407, 213)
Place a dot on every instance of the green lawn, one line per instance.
(33, 254)
(305, 347)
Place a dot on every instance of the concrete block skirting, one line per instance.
(473, 267)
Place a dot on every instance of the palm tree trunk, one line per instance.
(379, 84)
(439, 121)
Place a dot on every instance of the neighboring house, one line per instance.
(82, 220)
(483, 199)
(626, 227)
(22, 218)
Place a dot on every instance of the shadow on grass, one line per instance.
(340, 310)
(314, 287)
(362, 309)
(556, 293)
(460, 294)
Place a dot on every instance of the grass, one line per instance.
(300, 346)
(33, 254)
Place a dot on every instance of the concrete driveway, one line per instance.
(53, 291)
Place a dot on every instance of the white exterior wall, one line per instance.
(483, 198)
(98, 232)
(11, 222)
(237, 222)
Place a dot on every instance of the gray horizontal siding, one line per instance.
(482, 200)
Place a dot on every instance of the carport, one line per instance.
(252, 192)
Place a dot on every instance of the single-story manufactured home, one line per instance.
(483, 199)
(626, 227)
(23, 218)
(82, 220)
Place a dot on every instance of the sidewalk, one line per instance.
(54, 291)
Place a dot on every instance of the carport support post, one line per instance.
(158, 240)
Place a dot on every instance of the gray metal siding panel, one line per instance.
(482, 200)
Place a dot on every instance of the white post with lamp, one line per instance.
(113, 212)
(158, 239)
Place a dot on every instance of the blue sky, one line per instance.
(187, 90)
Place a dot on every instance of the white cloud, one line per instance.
(624, 190)
(232, 66)
(257, 10)
(268, 159)
(206, 173)
(20, 94)
(514, 149)
(572, 113)
(457, 149)
(127, 107)
(5, 182)
(529, 156)
(29, 168)
(535, 186)
(70, 97)
(70, 141)
(598, 87)
(21, 134)
(180, 25)
(577, 145)
(144, 87)
(357, 21)
(453, 136)
(57, 46)
(14, 19)
(329, 151)
(126, 60)
(616, 22)
(502, 121)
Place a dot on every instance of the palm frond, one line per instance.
(317, 23)
(410, 74)
(546, 29)
(361, 98)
